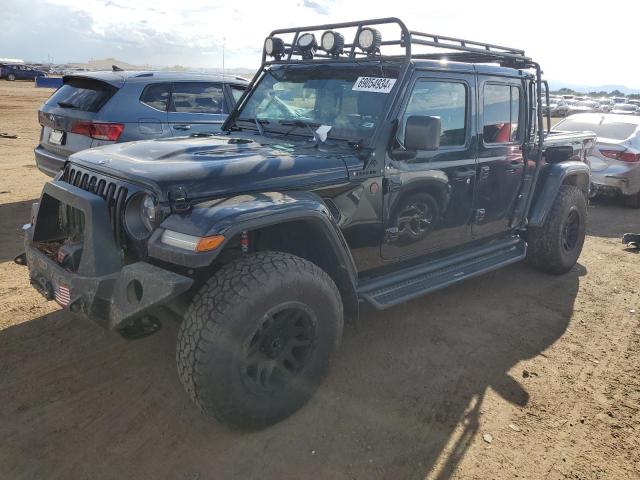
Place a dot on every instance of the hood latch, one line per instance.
(179, 200)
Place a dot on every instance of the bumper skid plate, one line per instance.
(101, 289)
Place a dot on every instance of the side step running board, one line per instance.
(416, 281)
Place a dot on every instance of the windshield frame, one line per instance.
(302, 131)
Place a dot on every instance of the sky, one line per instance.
(574, 42)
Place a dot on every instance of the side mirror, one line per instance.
(422, 133)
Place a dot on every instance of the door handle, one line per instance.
(515, 165)
(182, 127)
(464, 174)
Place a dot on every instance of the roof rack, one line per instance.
(406, 43)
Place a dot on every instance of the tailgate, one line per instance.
(78, 99)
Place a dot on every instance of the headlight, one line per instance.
(142, 215)
(149, 212)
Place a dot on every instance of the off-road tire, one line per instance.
(632, 201)
(548, 250)
(11, 77)
(224, 317)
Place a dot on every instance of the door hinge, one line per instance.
(479, 216)
(391, 184)
(484, 172)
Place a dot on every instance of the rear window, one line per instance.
(501, 113)
(156, 96)
(197, 98)
(82, 94)
(613, 130)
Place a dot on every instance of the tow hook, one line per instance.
(21, 259)
(141, 327)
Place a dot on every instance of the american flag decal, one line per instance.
(63, 295)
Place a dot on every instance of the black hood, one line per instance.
(213, 166)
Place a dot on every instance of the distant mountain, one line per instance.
(556, 85)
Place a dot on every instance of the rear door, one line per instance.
(196, 107)
(78, 100)
(429, 198)
(500, 156)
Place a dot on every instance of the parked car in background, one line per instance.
(615, 161)
(99, 108)
(624, 109)
(20, 72)
(557, 107)
(605, 104)
(579, 106)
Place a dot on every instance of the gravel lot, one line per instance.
(514, 374)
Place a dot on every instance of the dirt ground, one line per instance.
(514, 374)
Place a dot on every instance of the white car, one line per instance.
(625, 109)
(615, 160)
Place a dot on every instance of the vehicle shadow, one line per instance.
(403, 399)
(12, 217)
(610, 218)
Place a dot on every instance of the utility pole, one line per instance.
(224, 41)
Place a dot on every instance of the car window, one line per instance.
(615, 130)
(501, 113)
(237, 91)
(156, 96)
(83, 94)
(197, 97)
(446, 100)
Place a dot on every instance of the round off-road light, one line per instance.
(369, 40)
(332, 42)
(274, 47)
(308, 45)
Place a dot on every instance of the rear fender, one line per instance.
(555, 175)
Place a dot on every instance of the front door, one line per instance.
(429, 197)
(500, 156)
(196, 107)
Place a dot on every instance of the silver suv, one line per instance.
(99, 108)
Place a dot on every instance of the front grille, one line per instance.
(114, 195)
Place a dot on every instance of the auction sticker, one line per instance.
(374, 84)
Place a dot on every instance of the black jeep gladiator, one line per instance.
(354, 171)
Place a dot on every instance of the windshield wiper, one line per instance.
(299, 124)
(258, 122)
(67, 105)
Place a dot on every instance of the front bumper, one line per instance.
(102, 288)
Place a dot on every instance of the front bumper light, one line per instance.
(191, 243)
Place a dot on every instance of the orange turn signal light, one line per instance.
(206, 244)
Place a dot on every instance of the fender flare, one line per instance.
(556, 175)
(231, 216)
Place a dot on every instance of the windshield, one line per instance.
(626, 107)
(298, 100)
(615, 130)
